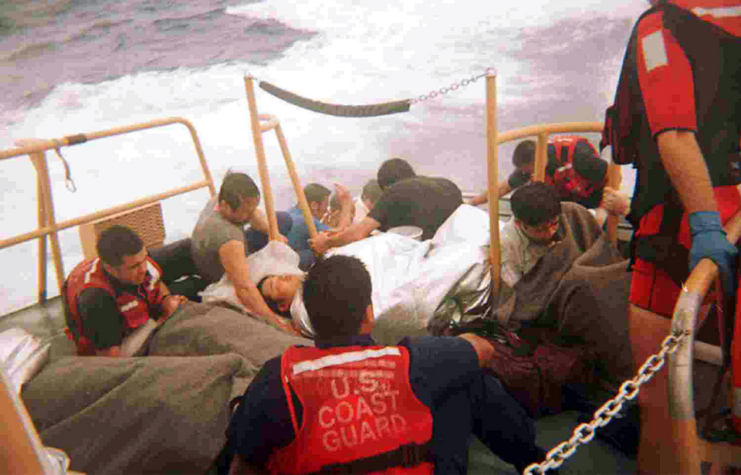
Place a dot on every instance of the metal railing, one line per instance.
(36, 150)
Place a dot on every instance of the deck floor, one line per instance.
(47, 321)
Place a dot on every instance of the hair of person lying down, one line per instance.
(337, 291)
(272, 304)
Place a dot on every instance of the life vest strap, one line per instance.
(408, 455)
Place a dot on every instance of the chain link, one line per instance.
(444, 90)
(584, 433)
(433, 94)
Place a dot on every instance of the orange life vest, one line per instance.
(359, 413)
(560, 172)
(134, 308)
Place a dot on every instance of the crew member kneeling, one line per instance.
(350, 406)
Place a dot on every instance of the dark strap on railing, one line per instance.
(336, 109)
(407, 455)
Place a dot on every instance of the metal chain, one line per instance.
(432, 95)
(444, 90)
(584, 433)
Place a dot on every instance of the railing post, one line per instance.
(261, 161)
(541, 156)
(305, 209)
(46, 218)
(492, 163)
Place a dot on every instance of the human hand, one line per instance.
(709, 242)
(319, 243)
(171, 303)
(343, 194)
(518, 178)
(615, 202)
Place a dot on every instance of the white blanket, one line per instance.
(410, 278)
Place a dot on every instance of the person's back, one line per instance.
(419, 201)
(350, 405)
(576, 170)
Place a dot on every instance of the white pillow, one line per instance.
(22, 356)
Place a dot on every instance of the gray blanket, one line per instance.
(134, 415)
(580, 288)
(163, 413)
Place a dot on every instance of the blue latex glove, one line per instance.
(709, 241)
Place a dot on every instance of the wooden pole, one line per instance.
(261, 161)
(492, 163)
(303, 204)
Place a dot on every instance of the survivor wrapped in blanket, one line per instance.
(579, 291)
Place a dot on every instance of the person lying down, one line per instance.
(411, 279)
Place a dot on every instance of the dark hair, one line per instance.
(588, 163)
(524, 153)
(535, 203)
(316, 193)
(272, 304)
(394, 170)
(371, 191)
(116, 242)
(236, 188)
(337, 292)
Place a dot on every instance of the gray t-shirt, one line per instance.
(211, 232)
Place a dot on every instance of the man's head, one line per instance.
(394, 170)
(588, 164)
(238, 198)
(337, 296)
(123, 254)
(537, 211)
(371, 192)
(318, 198)
(524, 156)
(279, 291)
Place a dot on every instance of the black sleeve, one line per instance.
(262, 422)
(382, 208)
(102, 323)
(438, 364)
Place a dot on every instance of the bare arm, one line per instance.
(323, 241)
(484, 349)
(685, 165)
(232, 257)
(503, 189)
(345, 217)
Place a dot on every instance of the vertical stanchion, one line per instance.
(541, 156)
(261, 162)
(46, 218)
(614, 178)
(42, 218)
(308, 217)
(492, 163)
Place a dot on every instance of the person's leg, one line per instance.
(256, 240)
(502, 424)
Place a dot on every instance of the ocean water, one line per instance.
(74, 66)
